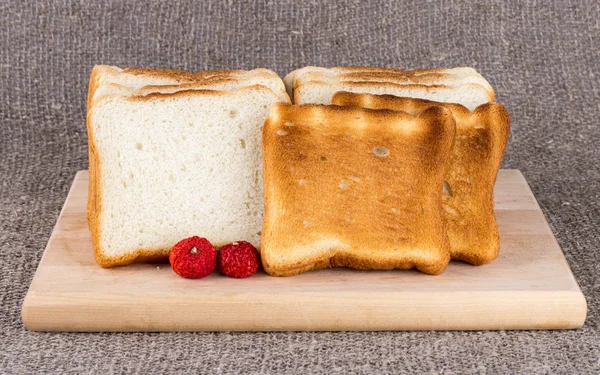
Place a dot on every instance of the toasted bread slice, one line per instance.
(427, 77)
(169, 166)
(468, 199)
(469, 94)
(355, 188)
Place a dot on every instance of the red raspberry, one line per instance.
(193, 258)
(239, 259)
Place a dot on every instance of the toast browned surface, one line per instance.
(354, 187)
(468, 201)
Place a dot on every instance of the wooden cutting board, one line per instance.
(529, 286)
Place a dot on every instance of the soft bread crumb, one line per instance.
(162, 180)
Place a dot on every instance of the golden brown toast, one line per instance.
(468, 200)
(352, 187)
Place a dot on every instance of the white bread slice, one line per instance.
(469, 95)
(111, 80)
(110, 89)
(169, 166)
(106, 80)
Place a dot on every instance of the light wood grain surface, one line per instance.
(530, 286)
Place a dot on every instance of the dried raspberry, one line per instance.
(239, 259)
(193, 257)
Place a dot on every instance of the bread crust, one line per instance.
(345, 186)
(100, 73)
(468, 203)
(389, 86)
(206, 85)
(428, 77)
(94, 208)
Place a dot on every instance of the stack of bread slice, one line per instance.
(468, 193)
(106, 80)
(367, 182)
(175, 154)
(459, 85)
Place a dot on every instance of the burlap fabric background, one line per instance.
(541, 57)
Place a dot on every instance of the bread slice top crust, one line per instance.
(135, 78)
(468, 201)
(427, 77)
(169, 166)
(214, 83)
(469, 95)
(222, 83)
(469, 119)
(354, 187)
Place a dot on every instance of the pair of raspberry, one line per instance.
(196, 257)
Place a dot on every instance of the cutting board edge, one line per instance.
(510, 310)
